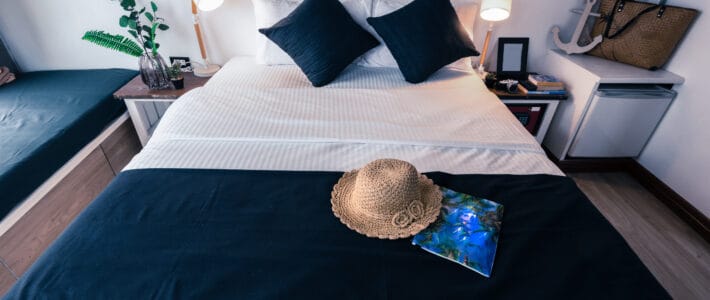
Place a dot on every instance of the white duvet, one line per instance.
(257, 117)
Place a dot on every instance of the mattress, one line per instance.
(46, 118)
(257, 117)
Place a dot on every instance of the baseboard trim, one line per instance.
(677, 204)
(681, 207)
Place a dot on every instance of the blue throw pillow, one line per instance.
(322, 38)
(424, 36)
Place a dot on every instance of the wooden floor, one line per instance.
(672, 251)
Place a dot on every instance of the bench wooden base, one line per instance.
(28, 230)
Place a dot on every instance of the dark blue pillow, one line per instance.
(322, 38)
(424, 36)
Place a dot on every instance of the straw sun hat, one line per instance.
(386, 199)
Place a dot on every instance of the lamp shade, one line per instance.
(495, 10)
(207, 5)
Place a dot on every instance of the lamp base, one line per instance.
(205, 70)
(481, 70)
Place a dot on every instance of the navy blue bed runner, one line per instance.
(46, 118)
(220, 234)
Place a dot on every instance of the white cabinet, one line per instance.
(613, 108)
(620, 121)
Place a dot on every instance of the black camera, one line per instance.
(508, 85)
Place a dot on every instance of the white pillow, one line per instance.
(269, 12)
(380, 56)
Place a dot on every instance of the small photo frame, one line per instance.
(512, 58)
(185, 65)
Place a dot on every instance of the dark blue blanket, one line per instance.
(46, 118)
(209, 234)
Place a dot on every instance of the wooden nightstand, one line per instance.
(146, 106)
(535, 112)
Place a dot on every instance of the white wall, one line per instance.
(679, 151)
(45, 34)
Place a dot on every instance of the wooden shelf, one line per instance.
(136, 89)
(520, 96)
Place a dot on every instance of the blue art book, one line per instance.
(466, 231)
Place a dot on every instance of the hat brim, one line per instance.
(431, 197)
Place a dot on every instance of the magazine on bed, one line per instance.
(466, 231)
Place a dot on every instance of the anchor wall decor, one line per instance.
(573, 46)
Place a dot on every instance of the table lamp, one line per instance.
(206, 69)
(492, 11)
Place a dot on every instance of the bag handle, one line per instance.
(619, 7)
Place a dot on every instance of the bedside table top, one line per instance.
(508, 96)
(136, 89)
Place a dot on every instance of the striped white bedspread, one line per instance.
(257, 117)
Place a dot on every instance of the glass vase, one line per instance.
(154, 71)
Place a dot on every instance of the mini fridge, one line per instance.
(620, 120)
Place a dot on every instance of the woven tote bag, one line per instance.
(639, 33)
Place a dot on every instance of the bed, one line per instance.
(46, 117)
(231, 199)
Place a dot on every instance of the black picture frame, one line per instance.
(512, 58)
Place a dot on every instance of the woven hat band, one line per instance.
(414, 212)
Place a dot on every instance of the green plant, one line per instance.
(142, 24)
(174, 71)
(115, 42)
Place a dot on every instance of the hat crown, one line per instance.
(385, 187)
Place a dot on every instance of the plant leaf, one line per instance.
(123, 22)
(153, 6)
(149, 16)
(115, 42)
(132, 24)
(146, 28)
(163, 27)
(148, 44)
(133, 33)
(128, 4)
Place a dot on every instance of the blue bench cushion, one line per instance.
(46, 118)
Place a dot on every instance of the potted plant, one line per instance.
(176, 76)
(142, 24)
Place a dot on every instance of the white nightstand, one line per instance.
(146, 106)
(613, 108)
(535, 112)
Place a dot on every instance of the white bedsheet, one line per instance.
(258, 117)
